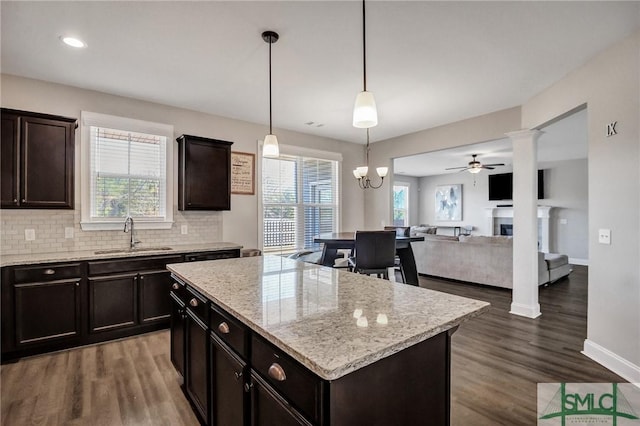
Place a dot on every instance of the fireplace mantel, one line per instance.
(544, 214)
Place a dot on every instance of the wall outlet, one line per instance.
(68, 232)
(29, 234)
(563, 221)
(604, 236)
(184, 229)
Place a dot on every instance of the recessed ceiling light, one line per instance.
(73, 42)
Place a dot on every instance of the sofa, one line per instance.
(480, 259)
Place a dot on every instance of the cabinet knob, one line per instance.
(49, 271)
(248, 386)
(24, 200)
(277, 372)
(141, 277)
(238, 375)
(175, 286)
(193, 302)
(78, 284)
(15, 201)
(223, 327)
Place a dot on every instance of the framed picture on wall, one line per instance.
(243, 170)
(448, 202)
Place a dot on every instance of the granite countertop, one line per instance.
(71, 256)
(330, 320)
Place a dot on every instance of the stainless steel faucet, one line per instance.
(128, 227)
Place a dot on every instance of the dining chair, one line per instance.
(374, 253)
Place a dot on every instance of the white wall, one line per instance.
(609, 85)
(239, 225)
(566, 189)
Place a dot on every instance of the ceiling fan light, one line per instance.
(475, 169)
(382, 171)
(365, 113)
(270, 147)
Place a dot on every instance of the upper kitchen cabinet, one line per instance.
(204, 173)
(37, 160)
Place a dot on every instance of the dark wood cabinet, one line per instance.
(228, 396)
(268, 408)
(47, 312)
(37, 160)
(196, 381)
(204, 173)
(154, 289)
(112, 302)
(59, 305)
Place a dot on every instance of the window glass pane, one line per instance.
(127, 174)
(283, 179)
(400, 205)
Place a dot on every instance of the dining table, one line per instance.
(346, 241)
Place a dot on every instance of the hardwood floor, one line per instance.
(498, 359)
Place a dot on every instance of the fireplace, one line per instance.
(506, 229)
(498, 216)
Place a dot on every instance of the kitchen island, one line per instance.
(274, 341)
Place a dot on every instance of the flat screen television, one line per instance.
(501, 186)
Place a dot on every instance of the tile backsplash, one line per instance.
(49, 227)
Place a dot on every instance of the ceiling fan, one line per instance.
(475, 166)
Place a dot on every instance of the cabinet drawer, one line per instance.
(197, 304)
(102, 267)
(298, 385)
(47, 272)
(230, 331)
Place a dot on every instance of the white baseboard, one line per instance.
(525, 310)
(613, 362)
(577, 261)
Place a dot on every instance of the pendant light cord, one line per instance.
(364, 47)
(367, 152)
(270, 114)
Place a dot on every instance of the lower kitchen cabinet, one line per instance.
(112, 302)
(53, 306)
(228, 393)
(196, 381)
(268, 408)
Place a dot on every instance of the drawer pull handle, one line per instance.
(175, 286)
(49, 271)
(193, 302)
(277, 372)
(223, 327)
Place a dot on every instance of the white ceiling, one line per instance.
(429, 63)
(565, 139)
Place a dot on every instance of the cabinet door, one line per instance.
(46, 169)
(204, 177)
(112, 302)
(177, 334)
(47, 311)
(154, 296)
(227, 386)
(9, 159)
(269, 409)
(196, 383)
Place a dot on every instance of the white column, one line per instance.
(525, 223)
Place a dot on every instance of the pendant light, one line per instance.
(270, 146)
(365, 114)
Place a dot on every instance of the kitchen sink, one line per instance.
(133, 250)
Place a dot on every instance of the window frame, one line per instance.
(93, 119)
(406, 185)
(295, 151)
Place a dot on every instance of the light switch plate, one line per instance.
(68, 232)
(604, 236)
(563, 221)
(184, 229)
(29, 234)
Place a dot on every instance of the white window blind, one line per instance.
(300, 201)
(127, 174)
